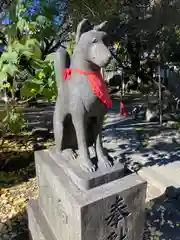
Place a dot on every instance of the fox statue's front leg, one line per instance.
(79, 122)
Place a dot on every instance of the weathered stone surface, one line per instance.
(114, 210)
(38, 225)
(87, 180)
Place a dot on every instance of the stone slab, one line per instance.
(37, 223)
(112, 211)
(152, 192)
(158, 179)
(87, 180)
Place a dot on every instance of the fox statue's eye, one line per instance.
(94, 40)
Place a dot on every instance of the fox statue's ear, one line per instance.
(101, 26)
(83, 26)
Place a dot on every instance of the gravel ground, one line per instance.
(13, 202)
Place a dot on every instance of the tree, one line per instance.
(23, 60)
(51, 18)
(55, 25)
(144, 34)
(146, 31)
(28, 37)
(33, 30)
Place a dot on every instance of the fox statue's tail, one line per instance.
(61, 61)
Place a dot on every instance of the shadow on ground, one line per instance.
(162, 217)
(140, 142)
(15, 228)
(17, 156)
(10, 179)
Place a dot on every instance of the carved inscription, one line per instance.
(61, 212)
(49, 200)
(117, 220)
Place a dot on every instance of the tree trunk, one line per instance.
(160, 96)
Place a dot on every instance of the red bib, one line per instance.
(97, 84)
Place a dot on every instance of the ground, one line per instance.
(121, 137)
(13, 202)
(17, 183)
(162, 218)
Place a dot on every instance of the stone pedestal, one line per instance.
(105, 206)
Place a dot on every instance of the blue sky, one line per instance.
(6, 20)
(30, 11)
(33, 9)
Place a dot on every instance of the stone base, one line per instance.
(87, 180)
(111, 211)
(38, 225)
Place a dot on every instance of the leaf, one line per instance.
(47, 93)
(37, 52)
(32, 48)
(51, 82)
(41, 20)
(18, 46)
(11, 31)
(40, 74)
(29, 89)
(3, 191)
(50, 57)
(36, 81)
(32, 26)
(3, 77)
(21, 24)
(31, 42)
(116, 45)
(10, 69)
(37, 64)
(15, 122)
(19, 200)
(10, 56)
(13, 117)
(5, 85)
(28, 54)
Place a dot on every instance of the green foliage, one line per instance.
(147, 34)
(91, 9)
(71, 44)
(11, 121)
(14, 121)
(23, 64)
(23, 54)
(43, 81)
(15, 50)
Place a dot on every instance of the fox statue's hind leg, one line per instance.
(101, 154)
(58, 127)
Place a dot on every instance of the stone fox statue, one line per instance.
(83, 97)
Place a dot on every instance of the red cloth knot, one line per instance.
(97, 84)
(66, 73)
